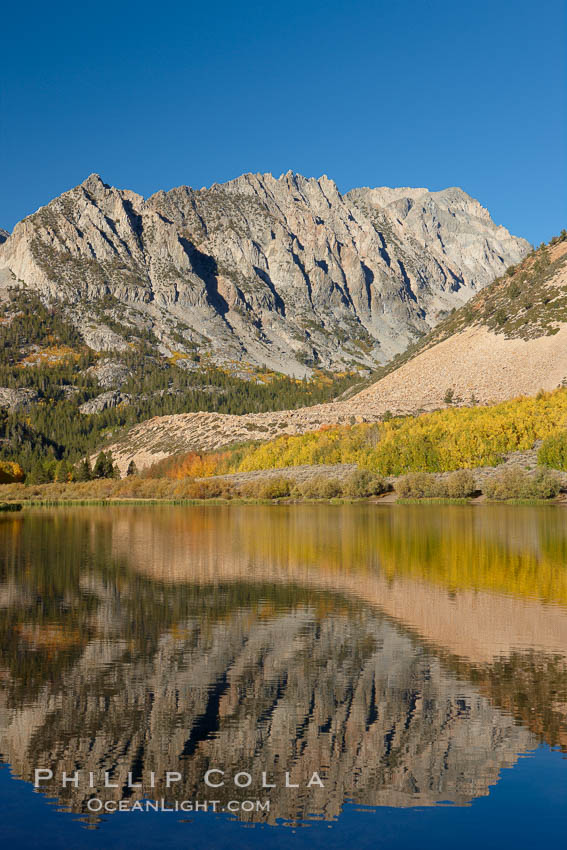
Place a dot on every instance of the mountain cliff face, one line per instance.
(284, 272)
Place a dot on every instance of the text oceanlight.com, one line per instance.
(97, 805)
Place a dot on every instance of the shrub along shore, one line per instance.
(460, 486)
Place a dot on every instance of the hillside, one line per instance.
(59, 398)
(510, 340)
(286, 273)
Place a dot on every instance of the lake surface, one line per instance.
(396, 676)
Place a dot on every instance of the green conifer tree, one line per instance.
(101, 466)
(83, 472)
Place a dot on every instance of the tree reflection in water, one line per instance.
(407, 656)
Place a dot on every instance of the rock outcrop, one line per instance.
(111, 398)
(13, 399)
(449, 223)
(284, 272)
(110, 373)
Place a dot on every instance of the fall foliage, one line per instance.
(441, 441)
(10, 473)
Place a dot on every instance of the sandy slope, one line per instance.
(476, 361)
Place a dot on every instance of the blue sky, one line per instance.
(421, 93)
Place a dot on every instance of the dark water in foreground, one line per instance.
(403, 670)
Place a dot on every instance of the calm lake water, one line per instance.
(402, 669)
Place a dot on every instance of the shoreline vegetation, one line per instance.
(461, 487)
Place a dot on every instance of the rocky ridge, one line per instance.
(284, 272)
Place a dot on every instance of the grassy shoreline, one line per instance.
(15, 506)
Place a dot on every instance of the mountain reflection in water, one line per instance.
(406, 655)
